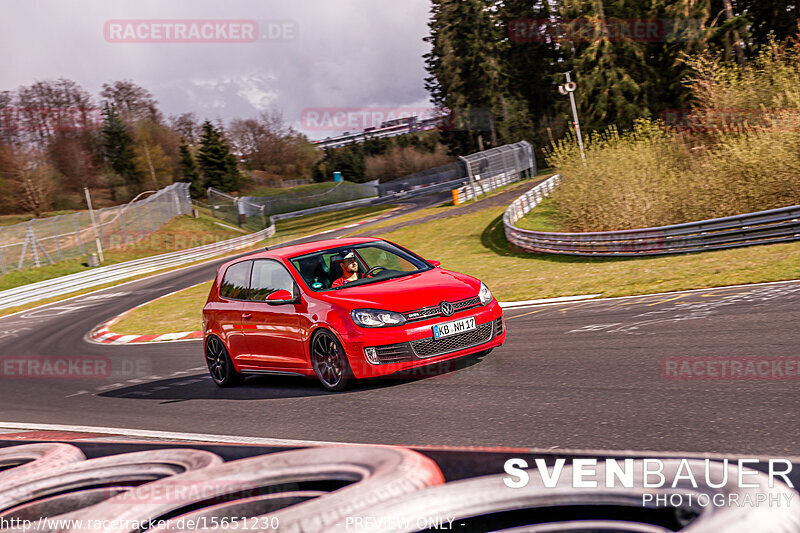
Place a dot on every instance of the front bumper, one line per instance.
(413, 345)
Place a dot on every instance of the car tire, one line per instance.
(329, 361)
(220, 365)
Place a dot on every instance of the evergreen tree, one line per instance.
(118, 151)
(465, 71)
(217, 164)
(188, 171)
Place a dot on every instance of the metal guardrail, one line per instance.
(762, 227)
(100, 276)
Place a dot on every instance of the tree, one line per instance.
(51, 106)
(465, 71)
(119, 153)
(188, 170)
(186, 126)
(71, 156)
(150, 159)
(132, 102)
(30, 178)
(218, 165)
(269, 144)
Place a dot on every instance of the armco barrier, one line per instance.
(762, 227)
(100, 276)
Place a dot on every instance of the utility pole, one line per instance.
(569, 88)
(94, 225)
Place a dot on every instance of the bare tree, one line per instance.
(32, 181)
(51, 106)
(268, 143)
(132, 102)
(185, 125)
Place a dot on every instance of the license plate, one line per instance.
(454, 328)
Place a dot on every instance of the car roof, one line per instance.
(286, 252)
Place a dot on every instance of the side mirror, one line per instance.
(280, 297)
(434, 262)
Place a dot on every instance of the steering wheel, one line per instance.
(374, 269)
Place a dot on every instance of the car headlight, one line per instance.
(485, 294)
(376, 318)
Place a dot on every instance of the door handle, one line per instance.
(247, 315)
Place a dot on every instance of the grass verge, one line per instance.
(544, 217)
(476, 245)
(181, 308)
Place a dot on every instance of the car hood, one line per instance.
(409, 292)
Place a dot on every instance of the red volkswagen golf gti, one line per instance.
(343, 309)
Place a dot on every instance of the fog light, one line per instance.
(372, 356)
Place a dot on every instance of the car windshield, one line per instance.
(347, 266)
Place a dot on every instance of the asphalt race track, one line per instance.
(589, 375)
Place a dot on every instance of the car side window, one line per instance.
(236, 281)
(268, 277)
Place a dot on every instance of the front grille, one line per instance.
(431, 347)
(394, 353)
(433, 311)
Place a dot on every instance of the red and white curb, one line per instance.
(102, 334)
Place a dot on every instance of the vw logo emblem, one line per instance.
(446, 308)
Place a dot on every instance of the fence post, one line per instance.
(55, 235)
(263, 220)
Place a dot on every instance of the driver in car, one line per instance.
(349, 265)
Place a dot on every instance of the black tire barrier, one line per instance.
(66, 489)
(362, 488)
(301, 490)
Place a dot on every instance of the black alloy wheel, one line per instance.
(219, 363)
(330, 362)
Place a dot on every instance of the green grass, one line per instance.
(544, 217)
(476, 245)
(174, 313)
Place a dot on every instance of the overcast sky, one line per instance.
(329, 53)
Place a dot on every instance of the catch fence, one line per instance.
(49, 240)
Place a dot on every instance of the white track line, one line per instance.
(145, 433)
